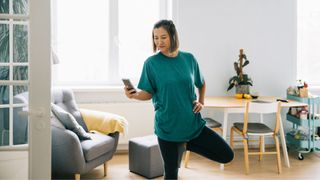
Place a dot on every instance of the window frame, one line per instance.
(14, 19)
(166, 12)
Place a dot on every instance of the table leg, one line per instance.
(283, 144)
(225, 129)
(261, 121)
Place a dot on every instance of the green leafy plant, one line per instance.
(240, 78)
(20, 48)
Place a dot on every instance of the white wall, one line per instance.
(14, 165)
(214, 31)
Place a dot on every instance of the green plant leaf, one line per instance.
(4, 6)
(236, 68)
(234, 78)
(230, 86)
(20, 6)
(244, 56)
(246, 62)
(4, 43)
(245, 77)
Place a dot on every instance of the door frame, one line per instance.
(40, 89)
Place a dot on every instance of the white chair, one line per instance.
(247, 129)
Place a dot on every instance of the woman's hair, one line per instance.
(173, 34)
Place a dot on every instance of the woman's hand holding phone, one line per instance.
(129, 88)
(129, 93)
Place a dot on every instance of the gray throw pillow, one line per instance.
(69, 122)
(55, 121)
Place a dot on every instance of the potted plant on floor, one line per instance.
(241, 81)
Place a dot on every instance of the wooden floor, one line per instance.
(202, 168)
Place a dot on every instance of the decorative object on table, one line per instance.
(243, 96)
(254, 95)
(300, 90)
(303, 89)
(241, 81)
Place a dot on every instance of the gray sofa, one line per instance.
(70, 156)
(20, 123)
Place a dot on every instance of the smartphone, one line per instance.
(129, 85)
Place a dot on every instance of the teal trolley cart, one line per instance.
(303, 137)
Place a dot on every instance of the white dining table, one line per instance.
(230, 104)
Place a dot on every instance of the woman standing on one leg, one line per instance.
(169, 78)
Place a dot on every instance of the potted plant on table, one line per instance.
(241, 81)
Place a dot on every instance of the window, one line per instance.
(98, 42)
(308, 41)
(14, 71)
(82, 41)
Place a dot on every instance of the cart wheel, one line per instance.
(300, 156)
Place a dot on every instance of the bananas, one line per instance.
(243, 96)
(239, 96)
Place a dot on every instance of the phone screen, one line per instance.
(129, 85)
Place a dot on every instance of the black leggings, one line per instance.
(208, 144)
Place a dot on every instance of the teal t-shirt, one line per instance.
(172, 81)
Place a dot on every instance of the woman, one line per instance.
(169, 78)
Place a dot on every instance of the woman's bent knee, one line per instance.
(228, 157)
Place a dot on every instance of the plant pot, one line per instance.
(242, 89)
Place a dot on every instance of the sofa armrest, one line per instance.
(115, 135)
(67, 154)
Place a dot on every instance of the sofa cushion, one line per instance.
(69, 122)
(97, 146)
(65, 99)
(55, 122)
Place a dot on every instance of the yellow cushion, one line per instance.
(104, 122)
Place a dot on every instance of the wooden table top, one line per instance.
(232, 102)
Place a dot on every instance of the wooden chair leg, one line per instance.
(261, 143)
(186, 159)
(246, 155)
(278, 152)
(77, 176)
(231, 138)
(217, 129)
(105, 168)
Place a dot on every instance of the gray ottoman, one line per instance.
(145, 157)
